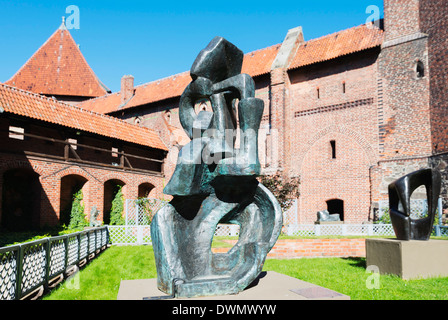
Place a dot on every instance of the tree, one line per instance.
(77, 216)
(285, 189)
(116, 213)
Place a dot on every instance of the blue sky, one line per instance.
(156, 39)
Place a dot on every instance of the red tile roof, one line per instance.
(337, 44)
(58, 68)
(255, 63)
(34, 106)
(259, 62)
(160, 90)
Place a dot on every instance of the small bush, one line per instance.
(77, 216)
(116, 213)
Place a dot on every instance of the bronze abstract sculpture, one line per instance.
(400, 193)
(214, 182)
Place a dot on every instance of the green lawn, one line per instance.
(100, 280)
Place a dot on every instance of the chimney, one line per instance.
(127, 88)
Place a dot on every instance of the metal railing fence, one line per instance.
(30, 268)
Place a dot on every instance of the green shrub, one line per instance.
(116, 213)
(77, 216)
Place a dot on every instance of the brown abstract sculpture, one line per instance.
(400, 193)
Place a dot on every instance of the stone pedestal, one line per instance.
(328, 222)
(268, 286)
(408, 259)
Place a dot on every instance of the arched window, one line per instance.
(21, 200)
(111, 188)
(420, 69)
(145, 189)
(70, 185)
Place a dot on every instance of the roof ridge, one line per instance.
(278, 44)
(184, 72)
(42, 97)
(100, 97)
(335, 33)
(161, 79)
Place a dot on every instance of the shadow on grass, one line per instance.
(356, 262)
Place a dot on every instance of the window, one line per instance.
(318, 93)
(336, 206)
(115, 152)
(16, 133)
(333, 149)
(343, 87)
(420, 69)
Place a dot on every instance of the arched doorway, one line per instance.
(70, 185)
(111, 188)
(336, 206)
(21, 200)
(145, 189)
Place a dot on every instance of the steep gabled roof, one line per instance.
(34, 106)
(58, 68)
(337, 45)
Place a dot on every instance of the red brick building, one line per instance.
(348, 113)
(50, 149)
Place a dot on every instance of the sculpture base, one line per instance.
(328, 222)
(268, 286)
(411, 259)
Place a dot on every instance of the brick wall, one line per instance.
(406, 121)
(312, 248)
(52, 173)
(401, 17)
(334, 102)
(406, 130)
(433, 21)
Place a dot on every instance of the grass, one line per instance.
(349, 276)
(100, 280)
